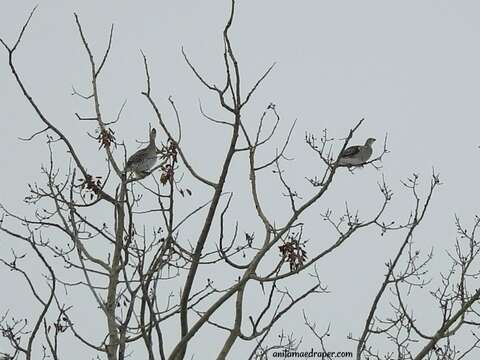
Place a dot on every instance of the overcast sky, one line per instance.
(410, 68)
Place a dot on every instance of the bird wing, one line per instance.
(351, 151)
(136, 157)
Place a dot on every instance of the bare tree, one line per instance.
(132, 258)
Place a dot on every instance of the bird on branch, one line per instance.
(356, 155)
(144, 159)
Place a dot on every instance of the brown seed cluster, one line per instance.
(91, 184)
(169, 152)
(293, 252)
(106, 137)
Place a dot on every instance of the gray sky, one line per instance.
(410, 68)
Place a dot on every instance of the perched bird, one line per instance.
(144, 159)
(356, 155)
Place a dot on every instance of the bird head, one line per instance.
(153, 134)
(370, 141)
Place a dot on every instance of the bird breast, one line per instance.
(366, 153)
